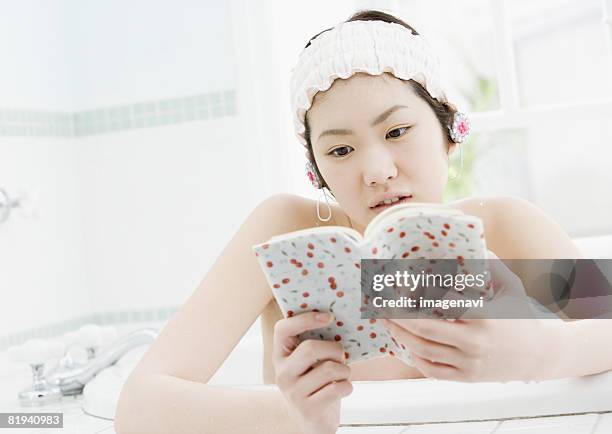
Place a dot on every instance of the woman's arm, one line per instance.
(523, 234)
(167, 391)
(584, 348)
(162, 403)
(528, 233)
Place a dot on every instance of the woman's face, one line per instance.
(372, 135)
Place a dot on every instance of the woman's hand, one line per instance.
(481, 349)
(312, 376)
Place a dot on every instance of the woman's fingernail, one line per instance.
(324, 317)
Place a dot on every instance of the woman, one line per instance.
(369, 136)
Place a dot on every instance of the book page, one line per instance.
(406, 210)
(319, 269)
(350, 232)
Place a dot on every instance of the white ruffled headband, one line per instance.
(373, 47)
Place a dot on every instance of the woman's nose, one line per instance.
(379, 170)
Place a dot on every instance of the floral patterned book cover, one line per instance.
(319, 269)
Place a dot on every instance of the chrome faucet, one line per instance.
(72, 381)
(68, 377)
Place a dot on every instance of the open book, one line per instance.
(319, 269)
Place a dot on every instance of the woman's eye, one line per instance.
(338, 152)
(397, 132)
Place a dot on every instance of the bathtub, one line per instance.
(582, 404)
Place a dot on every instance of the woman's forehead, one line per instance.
(363, 93)
(364, 85)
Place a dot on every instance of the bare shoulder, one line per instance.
(488, 208)
(289, 212)
(498, 207)
(284, 211)
(477, 206)
(517, 228)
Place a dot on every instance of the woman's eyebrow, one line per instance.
(380, 118)
(384, 115)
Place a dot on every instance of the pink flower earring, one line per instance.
(316, 183)
(460, 130)
(312, 175)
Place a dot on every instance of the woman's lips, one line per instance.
(383, 207)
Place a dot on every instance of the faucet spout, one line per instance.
(72, 382)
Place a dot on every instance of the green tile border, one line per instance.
(145, 114)
(101, 318)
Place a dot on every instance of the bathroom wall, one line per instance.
(161, 203)
(118, 131)
(41, 261)
(35, 60)
(42, 277)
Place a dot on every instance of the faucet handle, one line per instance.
(36, 351)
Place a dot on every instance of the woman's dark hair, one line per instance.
(443, 111)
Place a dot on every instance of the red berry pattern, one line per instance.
(321, 272)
